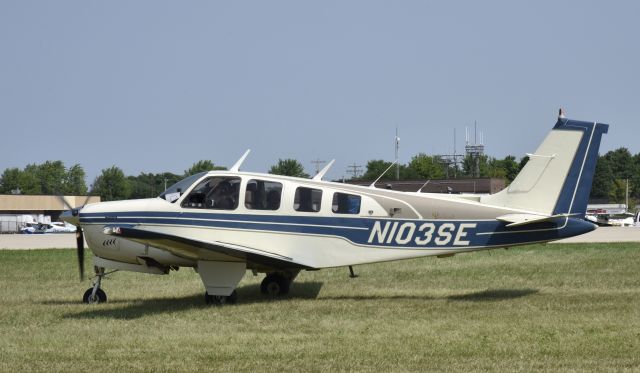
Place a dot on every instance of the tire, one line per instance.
(101, 296)
(274, 285)
(221, 299)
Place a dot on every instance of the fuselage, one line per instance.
(316, 223)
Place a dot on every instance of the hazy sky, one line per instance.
(155, 86)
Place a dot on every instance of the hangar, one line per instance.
(15, 209)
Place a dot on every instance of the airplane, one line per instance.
(53, 227)
(223, 223)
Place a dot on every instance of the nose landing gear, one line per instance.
(94, 294)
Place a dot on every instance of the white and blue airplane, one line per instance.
(223, 223)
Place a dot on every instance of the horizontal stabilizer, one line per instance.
(516, 220)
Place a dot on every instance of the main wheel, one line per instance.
(100, 296)
(274, 285)
(221, 299)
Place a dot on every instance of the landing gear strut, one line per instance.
(221, 299)
(94, 294)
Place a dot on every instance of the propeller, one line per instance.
(72, 216)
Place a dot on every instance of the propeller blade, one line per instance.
(80, 251)
(64, 201)
(86, 200)
(72, 216)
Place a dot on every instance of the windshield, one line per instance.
(175, 191)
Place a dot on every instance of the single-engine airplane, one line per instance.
(223, 223)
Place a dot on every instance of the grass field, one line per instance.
(555, 307)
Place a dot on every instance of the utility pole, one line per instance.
(354, 170)
(448, 160)
(318, 162)
(475, 150)
(626, 195)
(397, 143)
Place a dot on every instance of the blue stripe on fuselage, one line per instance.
(378, 232)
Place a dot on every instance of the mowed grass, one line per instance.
(542, 307)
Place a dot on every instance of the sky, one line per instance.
(154, 86)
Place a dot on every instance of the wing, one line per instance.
(190, 248)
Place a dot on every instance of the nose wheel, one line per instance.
(90, 297)
(95, 294)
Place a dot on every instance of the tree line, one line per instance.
(51, 177)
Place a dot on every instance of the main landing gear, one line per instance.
(276, 284)
(221, 299)
(94, 294)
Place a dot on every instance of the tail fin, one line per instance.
(558, 177)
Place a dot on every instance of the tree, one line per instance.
(148, 185)
(426, 167)
(10, 180)
(495, 168)
(375, 168)
(602, 179)
(29, 183)
(52, 176)
(635, 179)
(202, 166)
(469, 166)
(523, 162)
(111, 185)
(511, 167)
(74, 183)
(621, 163)
(288, 167)
(618, 192)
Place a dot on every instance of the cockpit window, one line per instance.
(217, 192)
(175, 191)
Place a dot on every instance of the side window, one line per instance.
(262, 195)
(218, 193)
(307, 199)
(344, 203)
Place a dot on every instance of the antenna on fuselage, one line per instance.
(373, 185)
(236, 166)
(423, 185)
(321, 173)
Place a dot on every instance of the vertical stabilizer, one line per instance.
(558, 176)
